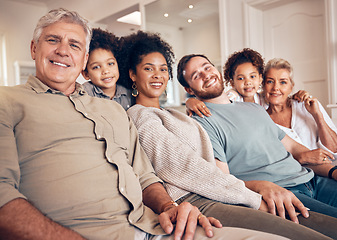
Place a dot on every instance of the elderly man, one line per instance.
(71, 166)
(252, 148)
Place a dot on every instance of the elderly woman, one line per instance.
(303, 119)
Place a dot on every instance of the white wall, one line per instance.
(234, 31)
(17, 23)
(203, 38)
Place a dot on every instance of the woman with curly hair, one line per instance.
(134, 47)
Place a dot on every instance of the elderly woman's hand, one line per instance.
(301, 96)
(315, 157)
(312, 106)
(311, 103)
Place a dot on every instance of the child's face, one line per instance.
(247, 80)
(102, 69)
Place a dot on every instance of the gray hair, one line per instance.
(58, 15)
(279, 63)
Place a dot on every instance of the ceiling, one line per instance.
(178, 12)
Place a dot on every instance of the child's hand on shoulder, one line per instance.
(198, 107)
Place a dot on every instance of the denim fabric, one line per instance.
(320, 195)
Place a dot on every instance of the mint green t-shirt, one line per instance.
(244, 136)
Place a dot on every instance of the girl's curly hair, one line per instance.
(104, 40)
(135, 46)
(246, 55)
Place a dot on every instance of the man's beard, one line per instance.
(215, 92)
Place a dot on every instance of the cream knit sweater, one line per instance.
(182, 156)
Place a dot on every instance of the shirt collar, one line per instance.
(40, 87)
(120, 91)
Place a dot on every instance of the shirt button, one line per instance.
(122, 189)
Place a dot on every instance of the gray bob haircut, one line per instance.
(58, 15)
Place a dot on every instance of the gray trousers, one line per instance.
(244, 217)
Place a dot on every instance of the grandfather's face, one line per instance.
(204, 79)
(60, 55)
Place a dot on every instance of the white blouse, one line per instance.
(304, 129)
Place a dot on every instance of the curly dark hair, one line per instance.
(135, 46)
(246, 55)
(104, 40)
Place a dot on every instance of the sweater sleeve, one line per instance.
(178, 164)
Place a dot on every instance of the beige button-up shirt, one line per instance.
(76, 158)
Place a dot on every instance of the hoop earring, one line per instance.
(134, 90)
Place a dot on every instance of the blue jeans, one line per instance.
(320, 195)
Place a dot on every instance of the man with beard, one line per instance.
(252, 148)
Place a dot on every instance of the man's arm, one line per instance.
(320, 167)
(223, 166)
(323, 170)
(185, 215)
(275, 199)
(305, 156)
(20, 220)
(280, 201)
